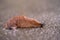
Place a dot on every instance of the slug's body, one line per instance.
(21, 22)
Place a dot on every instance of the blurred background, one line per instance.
(45, 11)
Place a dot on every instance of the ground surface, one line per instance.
(45, 11)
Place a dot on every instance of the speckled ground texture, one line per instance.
(45, 11)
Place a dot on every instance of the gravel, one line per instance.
(45, 11)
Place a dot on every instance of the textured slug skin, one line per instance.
(21, 22)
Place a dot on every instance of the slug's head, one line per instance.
(39, 25)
